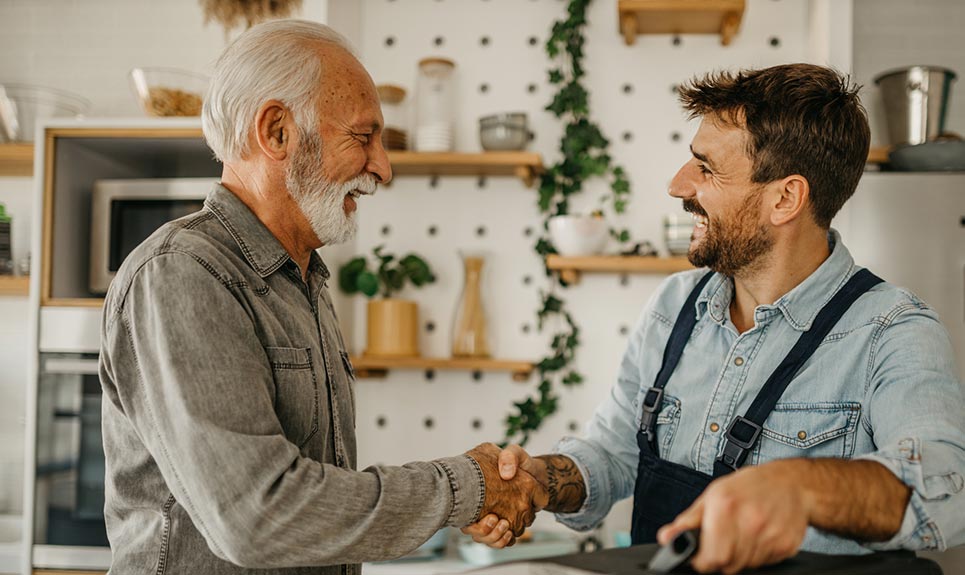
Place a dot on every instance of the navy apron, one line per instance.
(665, 489)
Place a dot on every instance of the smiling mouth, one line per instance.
(696, 212)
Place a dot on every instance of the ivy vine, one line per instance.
(585, 155)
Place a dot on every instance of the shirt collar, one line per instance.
(260, 247)
(800, 305)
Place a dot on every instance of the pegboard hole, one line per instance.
(389, 41)
(430, 326)
(430, 374)
(675, 136)
(627, 88)
(775, 42)
(484, 41)
(438, 41)
(531, 88)
(526, 328)
(533, 41)
(624, 280)
(429, 423)
(675, 89)
(527, 280)
(624, 330)
(477, 375)
(481, 182)
(481, 231)
(381, 421)
(477, 424)
(433, 230)
(627, 136)
(386, 230)
(528, 231)
(434, 182)
(677, 41)
(483, 88)
(573, 426)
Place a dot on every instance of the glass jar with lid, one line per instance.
(395, 132)
(435, 105)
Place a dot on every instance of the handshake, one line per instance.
(517, 487)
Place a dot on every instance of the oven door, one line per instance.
(68, 521)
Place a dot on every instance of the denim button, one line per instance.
(738, 361)
(802, 434)
(714, 427)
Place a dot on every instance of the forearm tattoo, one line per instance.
(564, 484)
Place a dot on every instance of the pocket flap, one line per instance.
(289, 357)
(804, 425)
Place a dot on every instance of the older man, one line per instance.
(786, 399)
(229, 420)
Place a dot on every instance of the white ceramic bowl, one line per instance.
(578, 235)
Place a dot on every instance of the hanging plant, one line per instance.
(231, 13)
(584, 155)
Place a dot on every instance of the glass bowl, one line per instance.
(169, 91)
(22, 105)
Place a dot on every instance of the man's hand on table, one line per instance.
(755, 516)
(512, 500)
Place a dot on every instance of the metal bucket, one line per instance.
(916, 102)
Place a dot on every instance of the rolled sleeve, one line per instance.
(917, 416)
(934, 509)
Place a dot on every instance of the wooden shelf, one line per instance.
(680, 17)
(571, 268)
(16, 160)
(14, 285)
(878, 155)
(368, 366)
(523, 165)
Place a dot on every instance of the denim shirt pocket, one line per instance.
(667, 421)
(296, 392)
(822, 429)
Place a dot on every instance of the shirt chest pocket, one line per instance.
(296, 392)
(667, 422)
(808, 430)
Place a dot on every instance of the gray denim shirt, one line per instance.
(229, 416)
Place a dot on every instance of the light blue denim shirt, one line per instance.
(881, 386)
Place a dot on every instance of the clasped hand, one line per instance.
(513, 497)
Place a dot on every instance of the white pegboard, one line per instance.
(631, 92)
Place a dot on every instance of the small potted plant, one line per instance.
(392, 324)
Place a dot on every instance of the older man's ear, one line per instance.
(274, 126)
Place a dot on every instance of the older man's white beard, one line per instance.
(322, 202)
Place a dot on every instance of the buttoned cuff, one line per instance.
(468, 489)
(919, 526)
(593, 468)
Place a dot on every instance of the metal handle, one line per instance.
(71, 366)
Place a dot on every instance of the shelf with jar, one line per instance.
(370, 366)
(721, 17)
(571, 268)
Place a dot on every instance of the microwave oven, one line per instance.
(125, 212)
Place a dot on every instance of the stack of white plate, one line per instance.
(435, 137)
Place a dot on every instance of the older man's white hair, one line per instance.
(274, 60)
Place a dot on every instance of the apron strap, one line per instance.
(745, 430)
(653, 399)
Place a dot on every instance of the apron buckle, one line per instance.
(652, 402)
(740, 438)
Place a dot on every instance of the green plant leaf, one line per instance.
(348, 275)
(367, 283)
